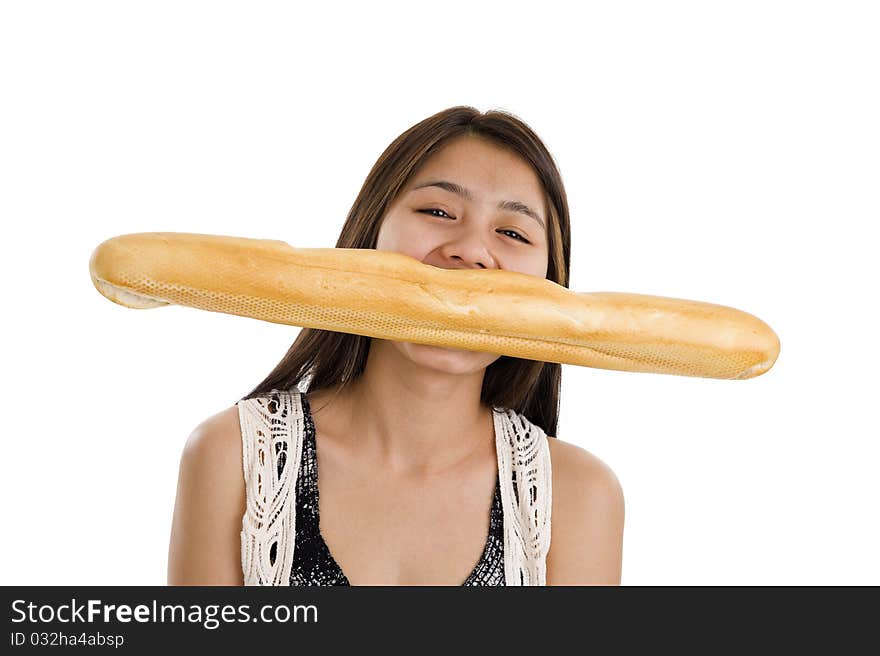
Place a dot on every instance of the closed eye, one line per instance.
(512, 232)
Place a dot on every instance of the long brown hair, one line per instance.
(332, 358)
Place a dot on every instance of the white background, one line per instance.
(724, 152)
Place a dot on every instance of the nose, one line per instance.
(466, 252)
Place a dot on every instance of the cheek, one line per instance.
(538, 265)
(543, 268)
(406, 237)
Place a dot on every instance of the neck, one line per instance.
(411, 421)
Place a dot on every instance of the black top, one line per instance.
(313, 564)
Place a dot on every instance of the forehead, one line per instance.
(489, 170)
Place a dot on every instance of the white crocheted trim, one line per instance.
(272, 427)
(269, 426)
(527, 496)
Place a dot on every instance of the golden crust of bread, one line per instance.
(393, 296)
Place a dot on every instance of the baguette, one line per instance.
(393, 296)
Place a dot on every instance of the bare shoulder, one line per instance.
(217, 439)
(579, 469)
(586, 544)
(205, 545)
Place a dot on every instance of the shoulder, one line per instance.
(578, 469)
(215, 443)
(212, 460)
(218, 425)
(210, 503)
(587, 518)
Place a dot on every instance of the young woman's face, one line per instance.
(441, 227)
(489, 212)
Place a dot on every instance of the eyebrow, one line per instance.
(511, 205)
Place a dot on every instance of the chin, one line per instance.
(449, 360)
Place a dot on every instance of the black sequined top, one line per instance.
(313, 564)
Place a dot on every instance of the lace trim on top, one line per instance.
(313, 564)
(273, 426)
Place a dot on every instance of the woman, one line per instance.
(405, 433)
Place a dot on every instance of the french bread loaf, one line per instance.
(393, 296)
